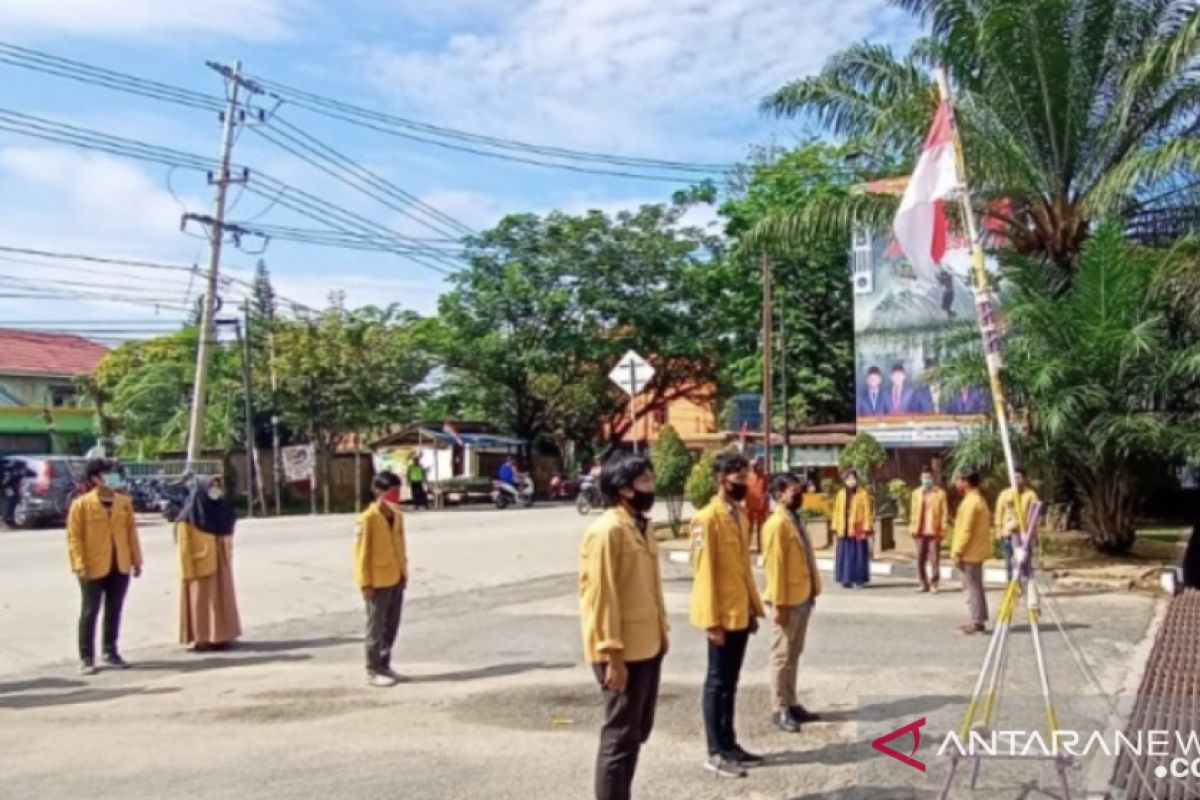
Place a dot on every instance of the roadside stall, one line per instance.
(460, 461)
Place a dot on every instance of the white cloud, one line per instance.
(252, 20)
(675, 77)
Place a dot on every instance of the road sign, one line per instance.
(631, 373)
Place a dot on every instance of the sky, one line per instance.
(665, 79)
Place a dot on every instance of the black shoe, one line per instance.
(786, 722)
(803, 716)
(745, 759)
(115, 661)
(724, 767)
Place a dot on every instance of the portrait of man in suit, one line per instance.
(902, 396)
(872, 401)
(969, 401)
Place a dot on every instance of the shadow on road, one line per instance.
(48, 700)
(482, 673)
(40, 683)
(895, 709)
(870, 793)
(286, 645)
(188, 663)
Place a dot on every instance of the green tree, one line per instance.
(1106, 376)
(701, 484)
(864, 455)
(672, 461)
(1071, 112)
(547, 306)
(813, 308)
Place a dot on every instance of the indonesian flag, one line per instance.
(920, 224)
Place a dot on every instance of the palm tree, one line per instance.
(1104, 373)
(1071, 111)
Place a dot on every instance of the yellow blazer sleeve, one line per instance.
(962, 526)
(914, 511)
(604, 608)
(705, 612)
(75, 545)
(945, 511)
(362, 555)
(773, 558)
(837, 519)
(402, 548)
(135, 544)
(756, 603)
(998, 517)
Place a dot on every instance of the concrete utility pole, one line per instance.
(768, 368)
(783, 386)
(216, 233)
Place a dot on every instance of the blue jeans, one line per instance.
(720, 691)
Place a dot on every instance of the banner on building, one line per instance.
(299, 463)
(902, 331)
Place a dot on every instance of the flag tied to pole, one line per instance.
(920, 225)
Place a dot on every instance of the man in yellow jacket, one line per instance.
(929, 520)
(624, 619)
(103, 547)
(1008, 522)
(381, 571)
(726, 606)
(972, 545)
(793, 584)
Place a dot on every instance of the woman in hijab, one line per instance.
(853, 522)
(208, 618)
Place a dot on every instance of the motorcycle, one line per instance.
(506, 494)
(169, 498)
(589, 496)
(562, 488)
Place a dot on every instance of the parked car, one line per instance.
(39, 489)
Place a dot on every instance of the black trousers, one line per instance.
(628, 720)
(720, 690)
(420, 497)
(108, 591)
(383, 623)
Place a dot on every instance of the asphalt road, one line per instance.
(498, 705)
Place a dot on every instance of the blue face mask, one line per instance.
(113, 480)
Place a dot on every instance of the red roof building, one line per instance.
(53, 355)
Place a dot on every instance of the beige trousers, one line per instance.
(787, 643)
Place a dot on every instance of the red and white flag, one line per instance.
(920, 224)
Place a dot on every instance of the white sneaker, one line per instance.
(380, 681)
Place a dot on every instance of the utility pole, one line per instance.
(216, 233)
(783, 381)
(276, 457)
(244, 341)
(768, 387)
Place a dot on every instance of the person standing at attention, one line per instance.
(757, 503)
(726, 606)
(971, 547)
(1008, 523)
(381, 570)
(103, 547)
(624, 619)
(793, 584)
(853, 523)
(929, 516)
(208, 615)
(416, 482)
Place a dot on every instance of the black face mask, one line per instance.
(642, 502)
(795, 503)
(737, 491)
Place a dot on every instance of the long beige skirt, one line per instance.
(208, 609)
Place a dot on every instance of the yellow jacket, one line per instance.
(862, 514)
(197, 552)
(94, 533)
(936, 509)
(972, 530)
(380, 555)
(621, 604)
(1006, 515)
(724, 594)
(789, 581)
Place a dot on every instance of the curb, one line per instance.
(992, 576)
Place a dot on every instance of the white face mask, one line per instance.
(215, 493)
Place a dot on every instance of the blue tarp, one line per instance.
(473, 439)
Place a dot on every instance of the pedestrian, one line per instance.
(416, 482)
(208, 615)
(726, 606)
(624, 619)
(971, 547)
(793, 584)
(757, 503)
(853, 523)
(103, 546)
(381, 569)
(1008, 522)
(928, 518)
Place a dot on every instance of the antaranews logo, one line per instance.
(882, 744)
